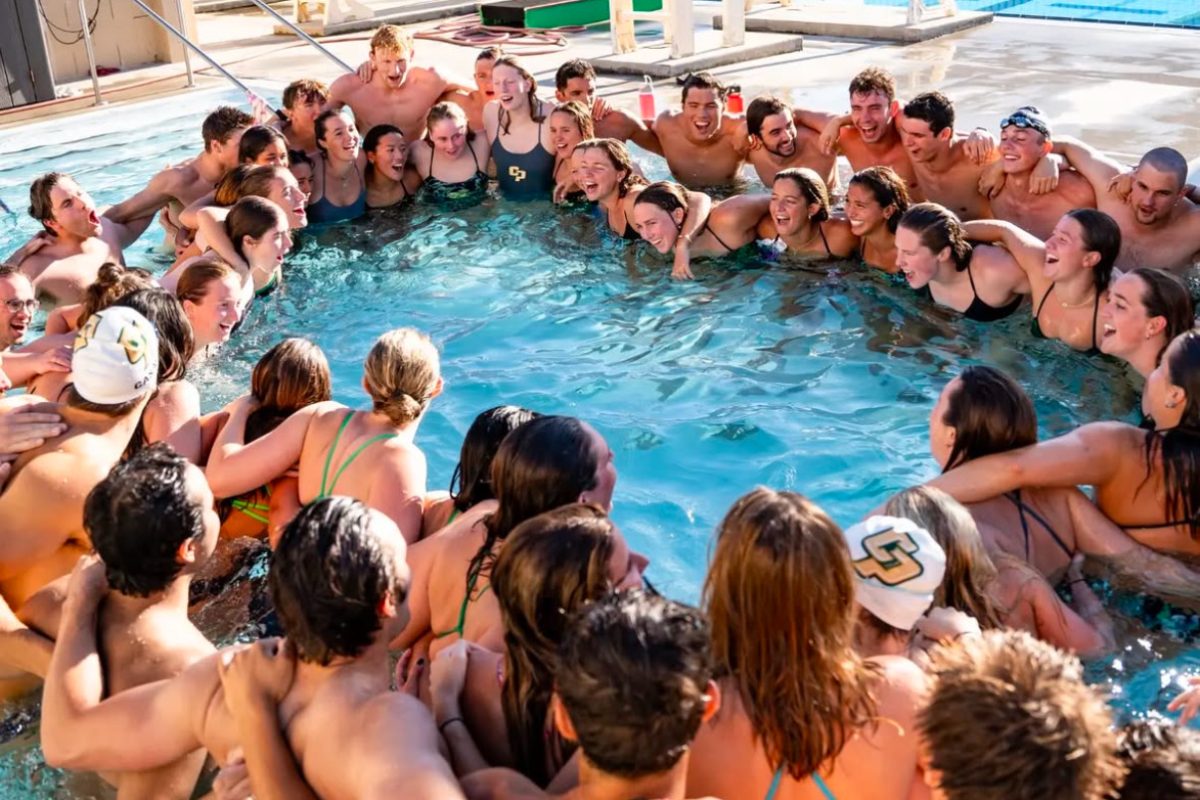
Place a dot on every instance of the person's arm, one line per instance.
(396, 755)
(30, 527)
(1089, 162)
(448, 673)
(1086, 456)
(699, 207)
(36, 242)
(158, 192)
(22, 367)
(1027, 250)
(234, 468)
(1061, 625)
(174, 417)
(130, 230)
(82, 733)
(21, 647)
(211, 224)
(643, 136)
(422, 564)
(1187, 701)
(398, 490)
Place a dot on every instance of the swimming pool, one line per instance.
(818, 381)
(1164, 13)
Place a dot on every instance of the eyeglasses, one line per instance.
(17, 306)
(1020, 120)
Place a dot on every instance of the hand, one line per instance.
(246, 403)
(1188, 701)
(233, 781)
(1122, 185)
(409, 673)
(258, 675)
(681, 269)
(87, 583)
(1075, 568)
(979, 145)
(23, 429)
(57, 359)
(829, 137)
(600, 109)
(560, 192)
(365, 71)
(991, 180)
(447, 677)
(36, 242)
(1044, 178)
(5, 382)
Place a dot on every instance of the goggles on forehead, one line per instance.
(1021, 119)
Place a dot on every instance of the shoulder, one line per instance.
(182, 393)
(667, 118)
(345, 85)
(499, 783)
(430, 77)
(901, 687)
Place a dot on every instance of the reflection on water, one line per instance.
(813, 378)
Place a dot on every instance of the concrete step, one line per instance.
(400, 12)
(204, 6)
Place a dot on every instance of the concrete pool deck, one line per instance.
(1121, 88)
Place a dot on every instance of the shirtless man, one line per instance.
(62, 260)
(303, 102)
(153, 524)
(703, 147)
(777, 143)
(576, 80)
(114, 369)
(944, 167)
(1024, 140)
(351, 737)
(396, 92)
(177, 187)
(1160, 227)
(17, 307)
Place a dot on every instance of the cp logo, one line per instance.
(516, 173)
(889, 558)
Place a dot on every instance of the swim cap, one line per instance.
(115, 357)
(1028, 117)
(897, 568)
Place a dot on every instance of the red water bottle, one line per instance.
(647, 102)
(733, 100)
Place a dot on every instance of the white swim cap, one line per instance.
(115, 358)
(897, 568)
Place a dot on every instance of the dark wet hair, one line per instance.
(321, 123)
(375, 136)
(618, 156)
(939, 228)
(888, 188)
(934, 108)
(702, 80)
(990, 413)
(665, 195)
(1165, 296)
(298, 157)
(221, 123)
(1179, 447)
(41, 207)
(471, 482)
(252, 216)
(541, 465)
(762, 107)
(1167, 159)
(811, 186)
(575, 68)
(256, 139)
(304, 89)
(176, 342)
(1163, 760)
(550, 566)
(329, 574)
(138, 516)
(874, 79)
(1101, 235)
(113, 281)
(633, 675)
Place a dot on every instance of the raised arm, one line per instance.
(30, 527)
(1089, 162)
(1027, 250)
(235, 468)
(158, 192)
(190, 216)
(211, 224)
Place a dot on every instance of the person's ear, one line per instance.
(387, 606)
(945, 254)
(712, 701)
(562, 720)
(186, 552)
(678, 215)
(1090, 259)
(437, 388)
(894, 109)
(1155, 326)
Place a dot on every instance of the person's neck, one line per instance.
(595, 784)
(339, 166)
(172, 599)
(944, 159)
(377, 180)
(1146, 358)
(78, 419)
(1018, 182)
(209, 167)
(879, 238)
(371, 665)
(948, 274)
(1076, 291)
(804, 237)
(890, 138)
(407, 431)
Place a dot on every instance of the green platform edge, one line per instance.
(575, 12)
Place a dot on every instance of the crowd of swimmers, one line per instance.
(929, 650)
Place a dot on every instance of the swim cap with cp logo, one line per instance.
(115, 357)
(897, 568)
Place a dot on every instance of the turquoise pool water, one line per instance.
(816, 381)
(1164, 13)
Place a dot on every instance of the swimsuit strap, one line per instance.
(329, 456)
(1046, 297)
(474, 157)
(432, 153)
(1022, 508)
(820, 782)
(728, 249)
(252, 510)
(379, 437)
(775, 784)
(971, 278)
(462, 609)
(825, 242)
(1095, 316)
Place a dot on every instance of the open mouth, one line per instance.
(856, 224)
(782, 220)
(1107, 330)
(93, 217)
(506, 98)
(590, 188)
(868, 131)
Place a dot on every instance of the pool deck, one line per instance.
(1121, 88)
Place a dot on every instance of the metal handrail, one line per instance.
(300, 32)
(189, 43)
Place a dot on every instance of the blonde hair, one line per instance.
(392, 38)
(401, 373)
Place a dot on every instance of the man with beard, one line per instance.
(704, 148)
(776, 143)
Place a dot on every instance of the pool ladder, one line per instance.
(190, 46)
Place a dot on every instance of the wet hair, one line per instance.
(220, 125)
(401, 373)
(473, 472)
(193, 283)
(933, 108)
(702, 80)
(329, 575)
(303, 91)
(450, 111)
(575, 68)
(633, 676)
(321, 124)
(811, 186)
(392, 38)
(1164, 295)
(291, 375)
(256, 139)
(113, 281)
(543, 464)
(299, 157)
(1163, 760)
(1179, 447)
(176, 342)
(939, 228)
(535, 104)
(970, 574)
(115, 410)
(1167, 159)
(41, 205)
(489, 53)
(887, 188)
(666, 195)
(1010, 718)
(990, 413)
(550, 566)
(618, 155)
(793, 664)
(138, 516)
(762, 107)
(375, 136)
(246, 180)
(1101, 235)
(252, 216)
(580, 115)
(874, 79)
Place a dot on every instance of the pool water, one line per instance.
(1165, 13)
(814, 380)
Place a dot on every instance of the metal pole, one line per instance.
(91, 54)
(299, 32)
(187, 54)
